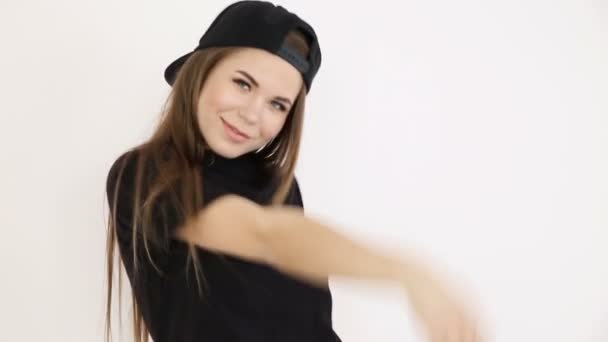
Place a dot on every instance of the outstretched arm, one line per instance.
(286, 239)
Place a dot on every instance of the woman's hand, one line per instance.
(442, 314)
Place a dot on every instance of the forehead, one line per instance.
(269, 70)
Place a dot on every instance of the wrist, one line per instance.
(407, 272)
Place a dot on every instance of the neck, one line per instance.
(246, 168)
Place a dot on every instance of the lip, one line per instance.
(233, 131)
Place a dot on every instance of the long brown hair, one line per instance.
(178, 127)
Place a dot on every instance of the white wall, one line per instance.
(475, 131)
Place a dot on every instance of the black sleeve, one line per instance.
(164, 217)
(124, 200)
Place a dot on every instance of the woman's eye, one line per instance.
(279, 106)
(242, 84)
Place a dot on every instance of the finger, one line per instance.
(469, 330)
(453, 333)
(476, 331)
(467, 325)
(437, 333)
(479, 334)
(469, 334)
(460, 330)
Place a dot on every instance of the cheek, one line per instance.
(208, 107)
(203, 112)
(219, 98)
(273, 125)
(211, 104)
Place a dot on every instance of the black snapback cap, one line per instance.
(258, 24)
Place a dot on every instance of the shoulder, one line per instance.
(124, 175)
(127, 165)
(122, 170)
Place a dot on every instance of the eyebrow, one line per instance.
(255, 83)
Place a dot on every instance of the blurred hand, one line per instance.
(442, 313)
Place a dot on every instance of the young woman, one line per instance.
(207, 216)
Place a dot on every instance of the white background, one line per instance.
(473, 131)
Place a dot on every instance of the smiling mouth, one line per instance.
(235, 129)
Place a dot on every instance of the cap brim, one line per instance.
(173, 68)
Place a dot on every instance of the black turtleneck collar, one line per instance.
(246, 169)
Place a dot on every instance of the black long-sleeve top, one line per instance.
(242, 300)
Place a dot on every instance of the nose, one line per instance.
(252, 111)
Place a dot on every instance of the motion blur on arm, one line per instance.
(285, 238)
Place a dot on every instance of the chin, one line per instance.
(228, 150)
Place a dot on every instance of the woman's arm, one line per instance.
(311, 250)
(286, 239)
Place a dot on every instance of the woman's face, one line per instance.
(245, 101)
